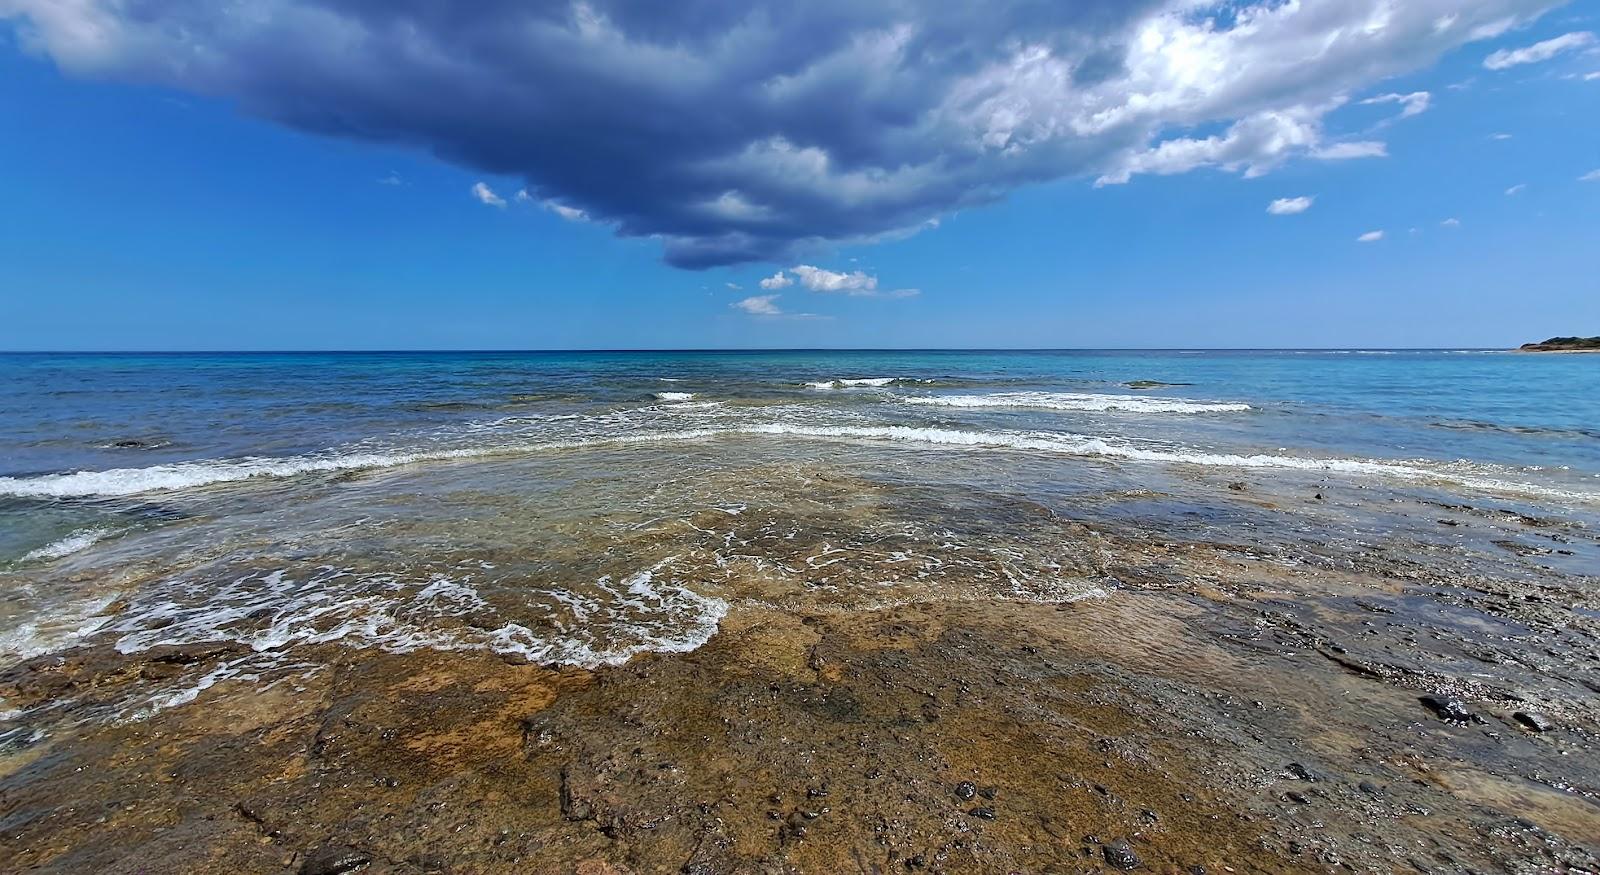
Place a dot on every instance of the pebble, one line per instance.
(966, 790)
(1119, 855)
(1300, 772)
(985, 813)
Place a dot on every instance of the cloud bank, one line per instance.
(756, 130)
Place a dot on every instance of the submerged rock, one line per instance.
(1119, 855)
(334, 860)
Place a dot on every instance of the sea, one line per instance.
(582, 508)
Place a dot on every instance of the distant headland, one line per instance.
(1564, 344)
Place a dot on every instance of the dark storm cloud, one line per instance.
(739, 131)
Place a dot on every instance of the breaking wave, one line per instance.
(78, 541)
(188, 475)
(1084, 401)
(868, 382)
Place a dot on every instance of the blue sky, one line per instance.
(145, 212)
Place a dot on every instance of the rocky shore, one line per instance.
(1205, 706)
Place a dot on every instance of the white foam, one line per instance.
(607, 623)
(853, 382)
(207, 472)
(1082, 445)
(674, 396)
(1081, 401)
(59, 629)
(185, 475)
(80, 540)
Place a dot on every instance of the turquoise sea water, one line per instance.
(581, 507)
(64, 413)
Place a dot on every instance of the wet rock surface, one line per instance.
(1238, 705)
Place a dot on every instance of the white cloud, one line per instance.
(1590, 77)
(1451, 223)
(1348, 151)
(1415, 103)
(1370, 237)
(1542, 51)
(759, 305)
(571, 214)
(1591, 176)
(778, 280)
(1288, 206)
(392, 179)
(1517, 189)
(1500, 136)
(486, 195)
(819, 280)
(735, 286)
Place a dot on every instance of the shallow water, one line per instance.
(581, 508)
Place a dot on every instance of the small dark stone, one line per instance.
(989, 792)
(1300, 772)
(1237, 486)
(1297, 798)
(966, 790)
(874, 774)
(1369, 788)
(127, 444)
(816, 792)
(334, 860)
(1452, 710)
(1119, 855)
(1533, 721)
(916, 862)
(985, 813)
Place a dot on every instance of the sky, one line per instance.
(509, 174)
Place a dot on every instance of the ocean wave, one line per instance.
(1524, 430)
(188, 475)
(80, 540)
(1083, 445)
(674, 396)
(208, 472)
(1083, 401)
(870, 382)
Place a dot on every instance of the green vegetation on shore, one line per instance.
(1564, 344)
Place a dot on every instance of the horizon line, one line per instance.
(749, 349)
